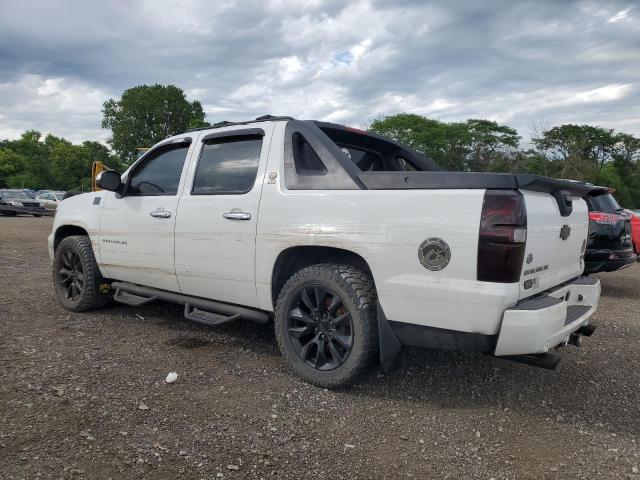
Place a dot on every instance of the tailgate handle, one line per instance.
(565, 203)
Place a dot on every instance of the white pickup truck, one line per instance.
(352, 243)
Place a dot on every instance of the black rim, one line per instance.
(320, 327)
(71, 275)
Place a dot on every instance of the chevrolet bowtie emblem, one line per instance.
(565, 231)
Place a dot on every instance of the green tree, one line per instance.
(471, 145)
(71, 166)
(12, 164)
(490, 144)
(31, 161)
(582, 150)
(147, 114)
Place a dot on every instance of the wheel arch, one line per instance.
(293, 259)
(64, 231)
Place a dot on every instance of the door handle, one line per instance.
(237, 215)
(159, 213)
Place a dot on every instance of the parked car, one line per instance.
(610, 245)
(635, 230)
(50, 199)
(353, 254)
(21, 202)
(30, 193)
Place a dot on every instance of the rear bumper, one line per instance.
(608, 260)
(536, 325)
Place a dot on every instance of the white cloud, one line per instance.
(346, 62)
(621, 15)
(60, 106)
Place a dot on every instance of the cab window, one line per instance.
(159, 173)
(228, 167)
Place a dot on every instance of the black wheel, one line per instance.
(76, 277)
(325, 324)
(37, 216)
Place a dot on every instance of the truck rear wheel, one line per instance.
(325, 322)
(76, 277)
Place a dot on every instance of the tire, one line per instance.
(37, 216)
(76, 278)
(298, 331)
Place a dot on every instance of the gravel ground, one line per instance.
(83, 395)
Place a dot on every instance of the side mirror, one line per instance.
(109, 180)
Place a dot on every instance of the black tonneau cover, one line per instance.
(473, 180)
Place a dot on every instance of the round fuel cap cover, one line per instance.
(434, 254)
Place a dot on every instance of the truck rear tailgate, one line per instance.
(555, 243)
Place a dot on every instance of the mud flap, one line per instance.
(390, 346)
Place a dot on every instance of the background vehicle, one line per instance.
(20, 202)
(50, 199)
(30, 193)
(610, 246)
(635, 230)
(352, 243)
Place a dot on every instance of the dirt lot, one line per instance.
(83, 396)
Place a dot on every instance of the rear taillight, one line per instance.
(503, 236)
(602, 218)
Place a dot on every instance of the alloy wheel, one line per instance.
(320, 327)
(71, 275)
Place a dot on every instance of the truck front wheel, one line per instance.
(76, 277)
(325, 322)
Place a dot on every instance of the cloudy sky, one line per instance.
(529, 64)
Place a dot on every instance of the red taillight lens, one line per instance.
(601, 217)
(503, 236)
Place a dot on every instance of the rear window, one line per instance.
(603, 203)
(370, 153)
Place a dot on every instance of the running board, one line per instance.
(208, 312)
(131, 299)
(208, 318)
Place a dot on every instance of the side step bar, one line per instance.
(130, 299)
(207, 318)
(197, 309)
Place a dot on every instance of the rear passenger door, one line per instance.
(218, 213)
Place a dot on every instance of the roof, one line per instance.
(224, 123)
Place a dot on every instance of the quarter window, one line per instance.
(159, 173)
(228, 166)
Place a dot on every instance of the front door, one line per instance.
(218, 213)
(137, 230)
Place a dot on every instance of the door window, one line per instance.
(228, 167)
(159, 173)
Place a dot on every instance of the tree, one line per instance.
(471, 145)
(71, 166)
(31, 161)
(147, 114)
(489, 143)
(12, 164)
(581, 149)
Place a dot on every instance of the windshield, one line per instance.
(20, 195)
(604, 203)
